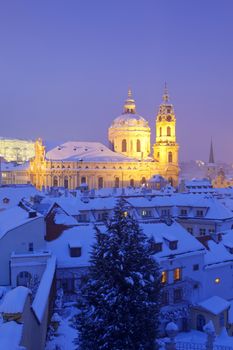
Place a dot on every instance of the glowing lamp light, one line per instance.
(217, 280)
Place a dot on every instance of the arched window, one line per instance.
(138, 146)
(170, 180)
(55, 181)
(66, 182)
(143, 180)
(83, 180)
(24, 278)
(169, 157)
(160, 131)
(117, 182)
(168, 131)
(100, 182)
(131, 182)
(124, 146)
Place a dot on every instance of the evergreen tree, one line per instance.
(120, 296)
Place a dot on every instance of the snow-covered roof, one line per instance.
(85, 152)
(13, 217)
(42, 295)
(14, 300)
(217, 253)
(10, 335)
(15, 194)
(84, 237)
(215, 305)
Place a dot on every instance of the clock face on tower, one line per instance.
(169, 118)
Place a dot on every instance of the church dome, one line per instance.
(129, 117)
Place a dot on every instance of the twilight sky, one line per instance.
(65, 67)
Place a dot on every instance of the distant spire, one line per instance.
(165, 94)
(211, 157)
(130, 106)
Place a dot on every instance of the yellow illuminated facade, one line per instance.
(16, 150)
(128, 163)
(166, 148)
(129, 134)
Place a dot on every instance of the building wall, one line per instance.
(17, 240)
(195, 311)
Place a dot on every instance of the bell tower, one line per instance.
(166, 148)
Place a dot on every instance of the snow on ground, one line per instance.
(66, 333)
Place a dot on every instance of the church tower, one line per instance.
(166, 148)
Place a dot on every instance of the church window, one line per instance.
(168, 131)
(138, 146)
(55, 181)
(66, 182)
(83, 180)
(169, 157)
(143, 180)
(117, 182)
(100, 182)
(124, 146)
(131, 182)
(160, 131)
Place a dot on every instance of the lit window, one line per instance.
(164, 277)
(177, 274)
(217, 280)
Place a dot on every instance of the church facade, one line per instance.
(127, 162)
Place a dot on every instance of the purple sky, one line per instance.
(65, 67)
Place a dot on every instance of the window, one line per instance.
(169, 157)
(102, 216)
(160, 132)
(211, 231)
(131, 182)
(100, 182)
(117, 182)
(168, 131)
(82, 218)
(24, 278)
(55, 181)
(165, 298)
(195, 267)
(173, 245)
(30, 247)
(177, 274)
(178, 295)
(201, 321)
(66, 182)
(124, 146)
(183, 212)
(199, 213)
(75, 252)
(190, 230)
(164, 277)
(146, 213)
(83, 180)
(165, 212)
(138, 146)
(156, 247)
(143, 180)
(158, 155)
(202, 231)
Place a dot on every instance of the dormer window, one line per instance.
(200, 213)
(146, 213)
(173, 245)
(183, 212)
(157, 247)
